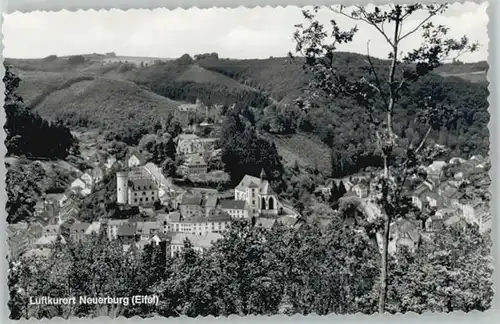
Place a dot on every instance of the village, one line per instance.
(171, 213)
(455, 191)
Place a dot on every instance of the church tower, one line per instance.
(262, 175)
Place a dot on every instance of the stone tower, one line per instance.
(122, 188)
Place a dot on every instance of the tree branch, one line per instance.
(400, 86)
(365, 19)
(363, 11)
(423, 140)
(431, 14)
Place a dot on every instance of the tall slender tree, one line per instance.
(379, 91)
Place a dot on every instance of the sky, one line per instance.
(232, 33)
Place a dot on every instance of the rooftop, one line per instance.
(186, 137)
(127, 229)
(45, 240)
(79, 228)
(146, 227)
(191, 199)
(209, 201)
(195, 160)
(142, 184)
(93, 228)
(174, 217)
(233, 204)
(137, 154)
(249, 181)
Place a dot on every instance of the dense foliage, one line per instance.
(27, 133)
(210, 93)
(340, 122)
(380, 92)
(244, 151)
(23, 186)
(312, 269)
(273, 86)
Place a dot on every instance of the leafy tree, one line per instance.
(23, 188)
(381, 88)
(27, 133)
(454, 272)
(169, 167)
(244, 151)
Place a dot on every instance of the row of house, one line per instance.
(451, 199)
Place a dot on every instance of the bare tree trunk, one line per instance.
(390, 110)
(383, 268)
(387, 220)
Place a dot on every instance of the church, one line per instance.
(257, 192)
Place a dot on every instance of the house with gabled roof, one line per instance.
(127, 233)
(94, 228)
(56, 198)
(191, 205)
(432, 199)
(404, 232)
(186, 143)
(18, 243)
(469, 209)
(111, 227)
(435, 169)
(47, 241)
(452, 219)
(361, 189)
(158, 238)
(135, 158)
(51, 230)
(416, 196)
(194, 164)
(145, 229)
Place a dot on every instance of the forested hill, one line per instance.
(97, 90)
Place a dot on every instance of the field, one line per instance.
(304, 149)
(96, 101)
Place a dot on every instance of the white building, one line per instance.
(135, 159)
(199, 243)
(193, 144)
(258, 194)
(215, 223)
(189, 107)
(135, 191)
(237, 209)
(79, 186)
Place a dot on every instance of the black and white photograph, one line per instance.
(325, 160)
